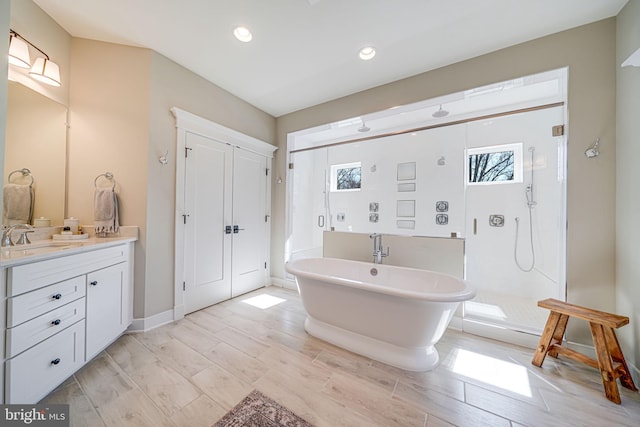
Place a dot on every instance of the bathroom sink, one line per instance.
(44, 246)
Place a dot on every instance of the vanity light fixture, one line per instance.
(46, 71)
(43, 69)
(367, 52)
(243, 34)
(18, 51)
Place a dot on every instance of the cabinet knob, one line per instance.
(57, 296)
(93, 283)
(56, 322)
(55, 361)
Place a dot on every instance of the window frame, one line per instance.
(333, 185)
(518, 166)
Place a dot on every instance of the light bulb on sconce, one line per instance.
(43, 68)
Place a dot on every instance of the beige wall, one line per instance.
(628, 177)
(589, 52)
(108, 118)
(174, 86)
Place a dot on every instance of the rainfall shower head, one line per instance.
(593, 150)
(440, 113)
(364, 128)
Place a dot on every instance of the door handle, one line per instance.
(227, 229)
(236, 229)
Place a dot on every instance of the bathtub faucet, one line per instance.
(378, 253)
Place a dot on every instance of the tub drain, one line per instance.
(374, 271)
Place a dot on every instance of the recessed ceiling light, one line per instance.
(243, 34)
(366, 53)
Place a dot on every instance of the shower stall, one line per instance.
(495, 178)
(516, 230)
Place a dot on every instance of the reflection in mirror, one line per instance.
(36, 139)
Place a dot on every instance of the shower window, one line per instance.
(494, 165)
(346, 177)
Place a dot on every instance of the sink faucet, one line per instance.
(378, 253)
(6, 235)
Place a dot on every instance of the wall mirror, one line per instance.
(36, 139)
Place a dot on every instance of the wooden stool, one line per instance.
(610, 361)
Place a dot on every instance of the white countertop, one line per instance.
(47, 249)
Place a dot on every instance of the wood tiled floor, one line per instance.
(191, 372)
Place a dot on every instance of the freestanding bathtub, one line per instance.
(391, 314)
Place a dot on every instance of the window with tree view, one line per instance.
(346, 177)
(497, 164)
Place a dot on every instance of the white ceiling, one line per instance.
(305, 52)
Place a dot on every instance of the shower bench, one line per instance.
(610, 360)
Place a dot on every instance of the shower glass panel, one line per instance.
(309, 210)
(516, 254)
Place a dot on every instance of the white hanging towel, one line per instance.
(18, 204)
(105, 211)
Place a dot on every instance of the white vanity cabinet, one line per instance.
(60, 313)
(106, 314)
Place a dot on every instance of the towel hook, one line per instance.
(107, 175)
(24, 172)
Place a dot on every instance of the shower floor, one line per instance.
(508, 311)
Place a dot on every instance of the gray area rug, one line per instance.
(257, 410)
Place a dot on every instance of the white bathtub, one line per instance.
(391, 314)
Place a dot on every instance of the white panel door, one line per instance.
(208, 206)
(249, 221)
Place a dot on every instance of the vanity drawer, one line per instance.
(37, 371)
(27, 277)
(32, 304)
(42, 327)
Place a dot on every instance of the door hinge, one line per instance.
(557, 130)
(184, 286)
(184, 218)
(186, 151)
(265, 265)
(267, 172)
(266, 218)
(290, 165)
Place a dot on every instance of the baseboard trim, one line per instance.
(151, 322)
(284, 283)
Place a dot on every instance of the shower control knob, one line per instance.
(496, 220)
